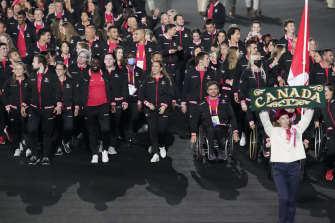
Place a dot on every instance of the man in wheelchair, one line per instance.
(214, 114)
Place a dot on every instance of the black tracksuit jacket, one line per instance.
(202, 114)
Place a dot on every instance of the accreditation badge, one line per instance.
(140, 64)
(132, 89)
(215, 120)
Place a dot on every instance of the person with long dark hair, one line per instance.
(328, 113)
(156, 93)
(64, 122)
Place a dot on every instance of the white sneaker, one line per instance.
(242, 141)
(155, 158)
(17, 152)
(80, 136)
(145, 127)
(100, 146)
(111, 150)
(162, 152)
(21, 146)
(105, 158)
(95, 159)
(150, 150)
(28, 152)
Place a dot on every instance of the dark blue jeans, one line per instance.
(287, 177)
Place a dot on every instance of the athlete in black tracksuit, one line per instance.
(96, 114)
(77, 72)
(44, 101)
(204, 116)
(64, 122)
(284, 65)
(327, 114)
(194, 89)
(150, 48)
(169, 49)
(251, 79)
(6, 71)
(156, 93)
(134, 75)
(321, 74)
(14, 92)
(119, 89)
(328, 117)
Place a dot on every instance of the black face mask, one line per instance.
(258, 63)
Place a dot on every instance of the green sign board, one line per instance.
(287, 97)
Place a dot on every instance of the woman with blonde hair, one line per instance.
(5, 38)
(254, 76)
(226, 72)
(149, 35)
(82, 45)
(156, 94)
(14, 91)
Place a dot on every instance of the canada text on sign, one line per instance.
(287, 97)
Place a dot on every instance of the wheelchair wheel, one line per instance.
(318, 136)
(230, 143)
(253, 144)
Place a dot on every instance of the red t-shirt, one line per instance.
(96, 90)
(213, 106)
(111, 46)
(109, 18)
(140, 55)
(210, 11)
(4, 63)
(43, 48)
(66, 60)
(38, 27)
(21, 43)
(39, 82)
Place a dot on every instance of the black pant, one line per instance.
(63, 127)
(46, 118)
(287, 178)
(130, 119)
(79, 123)
(3, 118)
(218, 132)
(172, 71)
(18, 125)
(191, 111)
(115, 123)
(97, 120)
(157, 128)
(330, 159)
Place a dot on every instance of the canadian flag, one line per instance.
(299, 72)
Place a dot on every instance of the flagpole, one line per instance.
(305, 42)
(304, 50)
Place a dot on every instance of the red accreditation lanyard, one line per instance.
(131, 76)
(210, 105)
